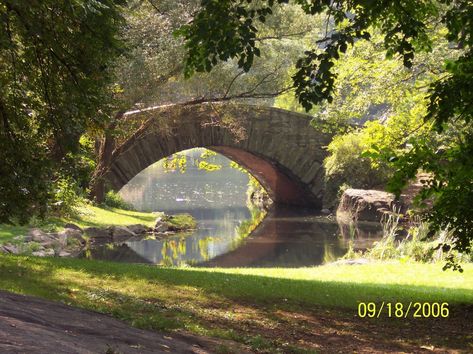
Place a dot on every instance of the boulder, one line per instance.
(45, 253)
(64, 254)
(365, 205)
(121, 233)
(139, 229)
(73, 227)
(70, 233)
(358, 261)
(325, 211)
(161, 226)
(37, 235)
(98, 234)
(11, 249)
(42, 237)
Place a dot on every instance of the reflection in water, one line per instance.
(217, 200)
(291, 237)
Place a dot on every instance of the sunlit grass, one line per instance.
(89, 215)
(331, 285)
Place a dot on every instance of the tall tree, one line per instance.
(54, 77)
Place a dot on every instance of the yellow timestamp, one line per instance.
(403, 310)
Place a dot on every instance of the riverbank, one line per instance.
(269, 310)
(88, 215)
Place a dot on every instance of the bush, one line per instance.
(346, 166)
(67, 196)
(418, 245)
(114, 200)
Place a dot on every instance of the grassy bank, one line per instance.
(232, 303)
(89, 215)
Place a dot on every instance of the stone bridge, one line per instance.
(279, 148)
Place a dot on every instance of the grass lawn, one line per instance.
(89, 215)
(267, 309)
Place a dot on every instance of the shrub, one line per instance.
(346, 166)
(67, 196)
(114, 200)
(418, 245)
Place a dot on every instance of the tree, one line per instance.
(54, 77)
(225, 30)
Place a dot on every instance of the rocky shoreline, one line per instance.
(73, 240)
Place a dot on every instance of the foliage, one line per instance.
(175, 162)
(418, 245)
(228, 29)
(345, 165)
(114, 200)
(66, 196)
(54, 77)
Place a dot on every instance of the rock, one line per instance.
(357, 261)
(64, 254)
(365, 205)
(325, 211)
(139, 229)
(70, 233)
(39, 254)
(37, 235)
(48, 252)
(11, 249)
(99, 234)
(121, 233)
(161, 226)
(73, 227)
(42, 237)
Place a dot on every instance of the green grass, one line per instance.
(203, 300)
(331, 285)
(88, 215)
(183, 221)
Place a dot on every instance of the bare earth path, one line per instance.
(32, 325)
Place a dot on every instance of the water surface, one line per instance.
(287, 237)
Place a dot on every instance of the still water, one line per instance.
(218, 201)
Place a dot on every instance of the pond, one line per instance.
(284, 237)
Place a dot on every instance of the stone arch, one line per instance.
(278, 147)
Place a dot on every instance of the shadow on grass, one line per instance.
(263, 289)
(268, 295)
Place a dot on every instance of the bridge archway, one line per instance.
(277, 147)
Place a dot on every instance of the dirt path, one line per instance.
(32, 325)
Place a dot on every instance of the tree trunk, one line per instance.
(104, 161)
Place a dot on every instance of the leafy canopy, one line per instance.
(53, 77)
